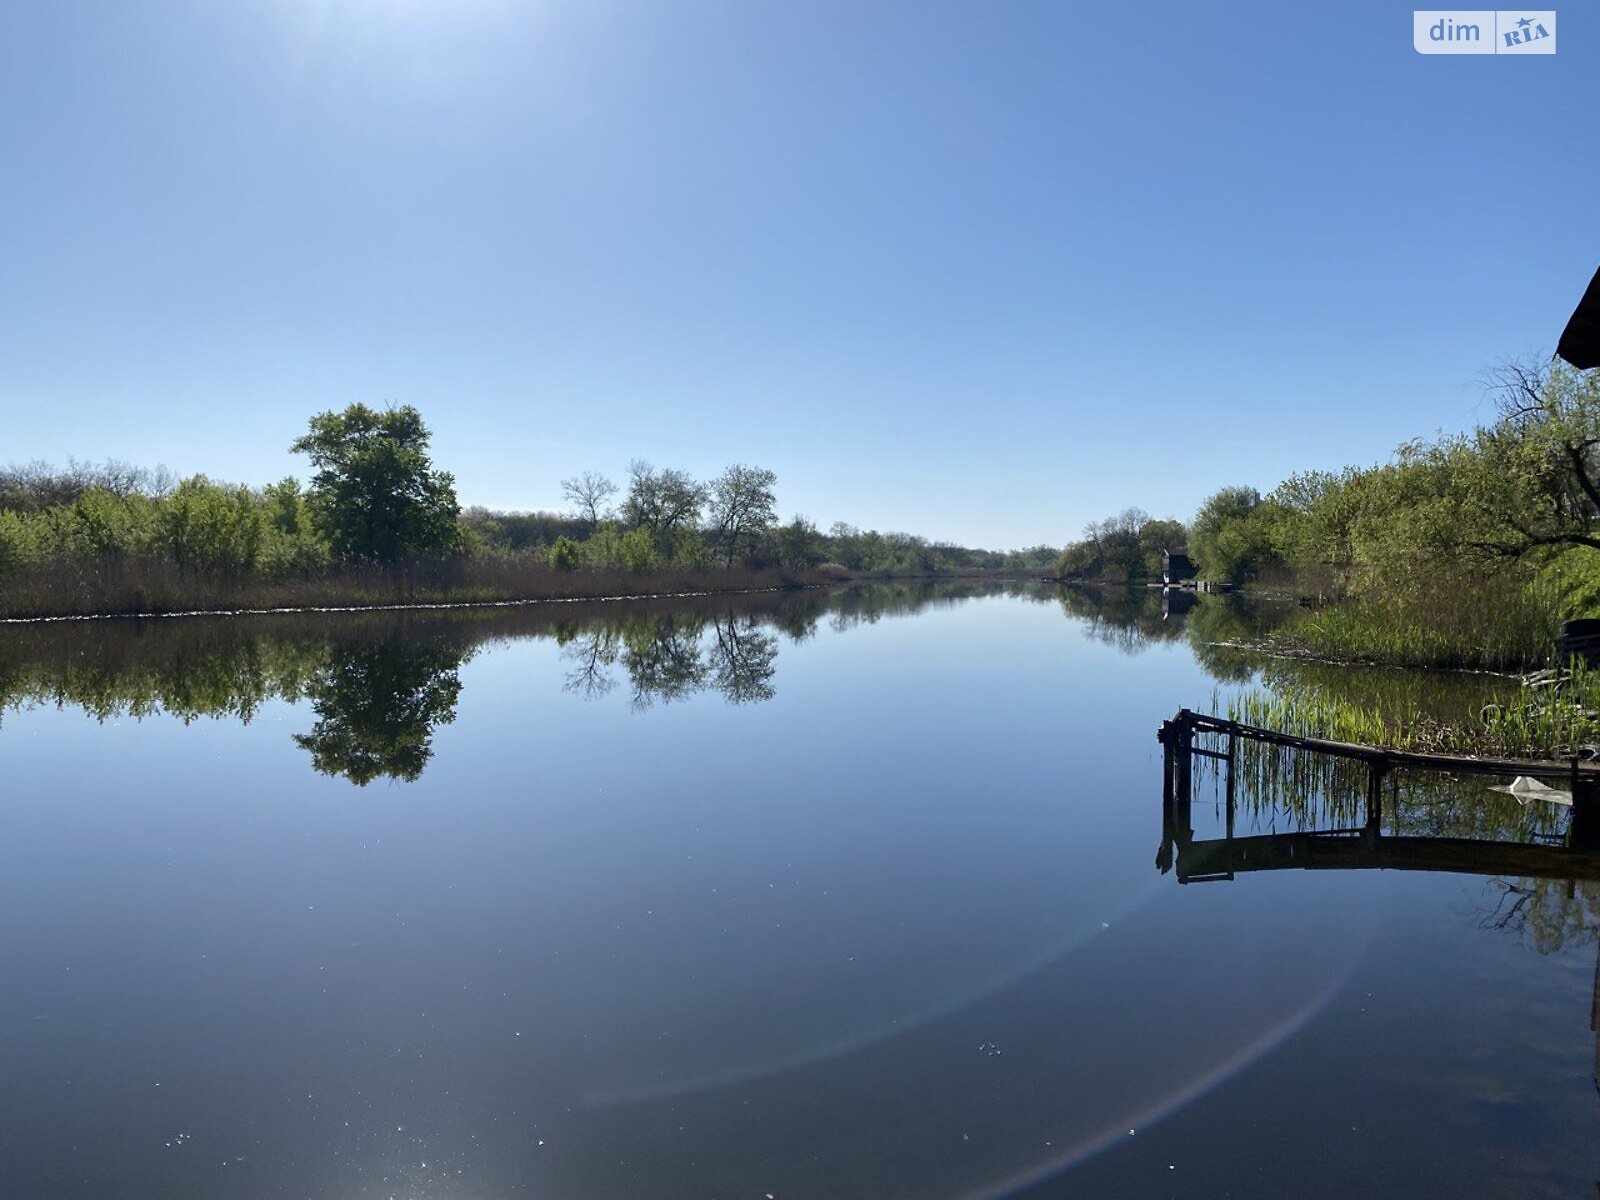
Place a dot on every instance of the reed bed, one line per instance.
(1471, 624)
(66, 589)
(1278, 789)
(1554, 716)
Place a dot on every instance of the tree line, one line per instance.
(1492, 533)
(663, 516)
(1118, 549)
(376, 499)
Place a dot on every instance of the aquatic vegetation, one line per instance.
(1552, 715)
(1468, 624)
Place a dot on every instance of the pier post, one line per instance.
(1185, 749)
(1228, 789)
(1585, 834)
(1167, 763)
(1375, 772)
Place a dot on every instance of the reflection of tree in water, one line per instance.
(672, 656)
(1217, 626)
(742, 659)
(662, 658)
(591, 653)
(380, 681)
(868, 603)
(1128, 619)
(377, 704)
(1223, 627)
(1547, 914)
(212, 671)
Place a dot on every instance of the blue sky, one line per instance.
(979, 271)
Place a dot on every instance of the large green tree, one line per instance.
(1126, 546)
(375, 494)
(663, 500)
(1537, 469)
(1230, 537)
(743, 509)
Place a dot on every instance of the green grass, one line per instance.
(1459, 633)
(1554, 720)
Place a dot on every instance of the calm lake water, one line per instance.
(825, 895)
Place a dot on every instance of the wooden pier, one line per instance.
(1366, 847)
(1179, 732)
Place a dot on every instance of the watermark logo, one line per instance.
(1484, 31)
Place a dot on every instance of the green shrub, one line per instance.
(213, 528)
(108, 527)
(636, 551)
(566, 554)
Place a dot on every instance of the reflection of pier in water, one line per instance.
(1365, 846)
(1572, 855)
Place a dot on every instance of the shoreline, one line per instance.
(419, 606)
(787, 582)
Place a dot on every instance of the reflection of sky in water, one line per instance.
(951, 993)
(893, 931)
